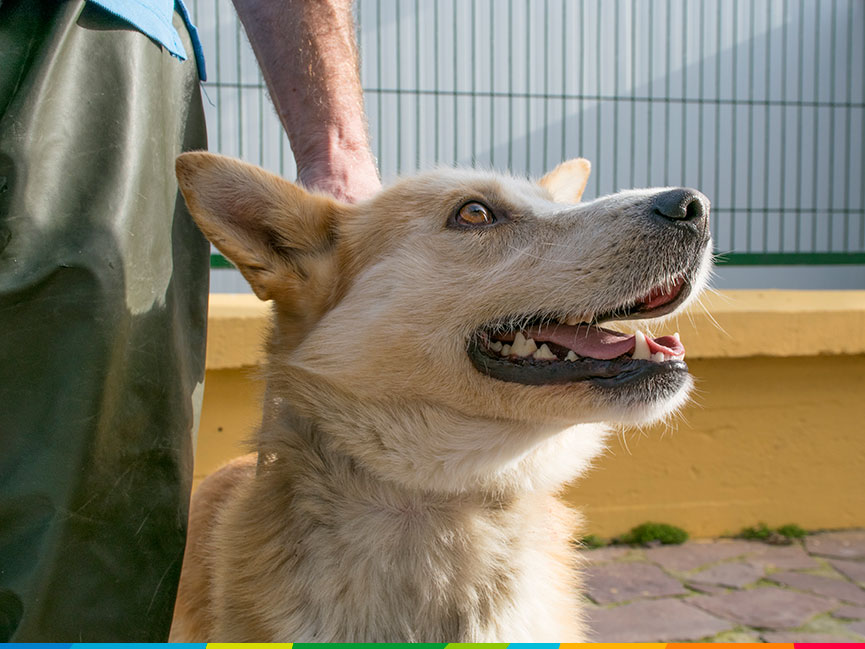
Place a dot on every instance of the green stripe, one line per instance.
(218, 261)
(723, 259)
(790, 258)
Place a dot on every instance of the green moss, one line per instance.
(655, 532)
(759, 532)
(791, 531)
(592, 541)
(762, 532)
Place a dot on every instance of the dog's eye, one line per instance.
(474, 214)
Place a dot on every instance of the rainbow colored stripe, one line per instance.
(451, 645)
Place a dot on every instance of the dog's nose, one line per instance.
(681, 205)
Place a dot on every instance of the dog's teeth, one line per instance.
(506, 350)
(676, 336)
(544, 354)
(571, 356)
(523, 347)
(658, 357)
(496, 346)
(641, 347)
(571, 321)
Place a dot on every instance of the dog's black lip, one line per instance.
(616, 372)
(643, 314)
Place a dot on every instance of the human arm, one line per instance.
(308, 57)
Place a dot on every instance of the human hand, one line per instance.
(348, 175)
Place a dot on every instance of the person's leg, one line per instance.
(103, 290)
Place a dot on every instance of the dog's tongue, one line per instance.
(603, 344)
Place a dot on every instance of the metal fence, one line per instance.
(758, 103)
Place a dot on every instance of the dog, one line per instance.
(436, 372)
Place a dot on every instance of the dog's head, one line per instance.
(465, 296)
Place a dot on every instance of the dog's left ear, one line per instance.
(567, 181)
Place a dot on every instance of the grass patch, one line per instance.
(592, 541)
(762, 532)
(649, 533)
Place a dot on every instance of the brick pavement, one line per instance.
(729, 590)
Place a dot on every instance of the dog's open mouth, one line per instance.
(542, 351)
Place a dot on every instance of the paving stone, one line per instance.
(820, 585)
(800, 637)
(850, 612)
(734, 575)
(696, 554)
(857, 627)
(849, 544)
(619, 582)
(765, 608)
(854, 570)
(602, 555)
(780, 557)
(659, 620)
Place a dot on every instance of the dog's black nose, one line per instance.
(681, 205)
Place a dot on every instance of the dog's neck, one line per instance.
(429, 551)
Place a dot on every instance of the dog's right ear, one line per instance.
(567, 182)
(280, 237)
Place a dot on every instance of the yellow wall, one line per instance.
(776, 432)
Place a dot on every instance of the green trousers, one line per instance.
(103, 298)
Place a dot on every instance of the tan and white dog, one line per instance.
(436, 373)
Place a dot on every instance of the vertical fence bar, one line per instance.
(417, 84)
(667, 97)
(455, 123)
(473, 94)
(650, 94)
(684, 104)
(581, 88)
(751, 91)
(493, 89)
(848, 56)
(510, 86)
(799, 126)
(782, 195)
(545, 146)
(816, 129)
(437, 72)
(717, 161)
(633, 156)
(616, 63)
(830, 197)
(528, 89)
(564, 79)
(237, 42)
(379, 109)
(599, 74)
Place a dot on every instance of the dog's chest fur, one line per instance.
(353, 557)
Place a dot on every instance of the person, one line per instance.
(104, 281)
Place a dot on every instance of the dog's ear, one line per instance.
(280, 237)
(567, 181)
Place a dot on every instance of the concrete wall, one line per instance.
(775, 433)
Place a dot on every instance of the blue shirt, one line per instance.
(154, 18)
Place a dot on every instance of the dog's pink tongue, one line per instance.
(594, 342)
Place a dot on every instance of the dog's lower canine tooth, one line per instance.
(544, 354)
(641, 347)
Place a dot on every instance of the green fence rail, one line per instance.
(758, 103)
